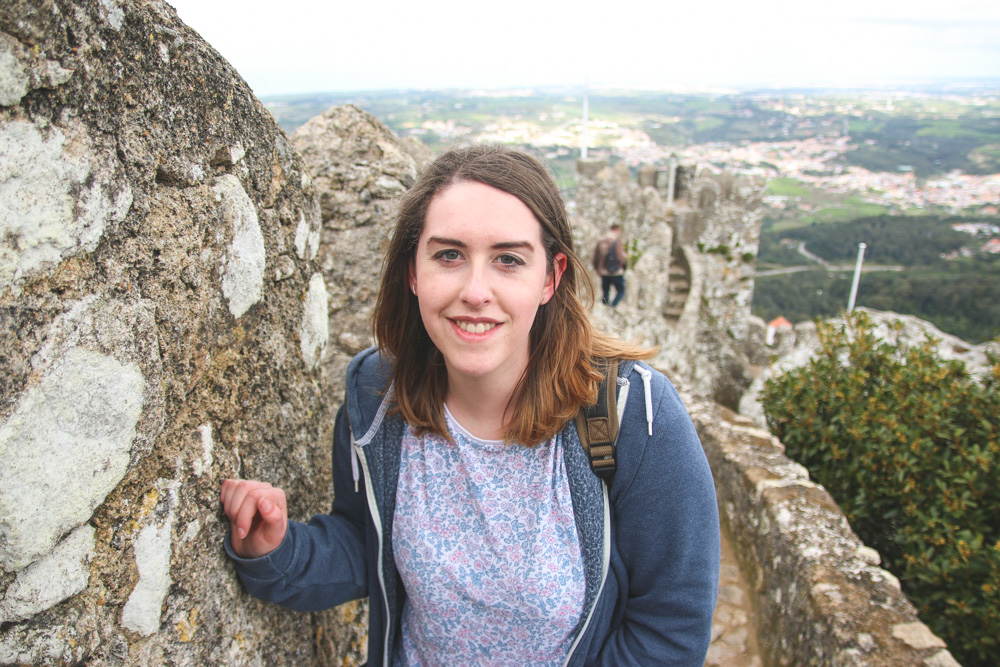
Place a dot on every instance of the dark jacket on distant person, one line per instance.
(600, 258)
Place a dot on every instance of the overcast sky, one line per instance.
(296, 46)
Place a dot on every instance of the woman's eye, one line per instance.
(448, 255)
(510, 260)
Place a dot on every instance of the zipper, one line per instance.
(377, 520)
(605, 566)
(623, 383)
(358, 457)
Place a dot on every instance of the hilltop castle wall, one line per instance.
(820, 596)
(163, 325)
(704, 240)
(720, 214)
(607, 195)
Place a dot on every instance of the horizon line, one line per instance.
(988, 85)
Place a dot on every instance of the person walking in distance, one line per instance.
(609, 262)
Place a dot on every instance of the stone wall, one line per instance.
(359, 169)
(706, 343)
(797, 346)
(820, 596)
(607, 195)
(720, 213)
(163, 325)
(701, 351)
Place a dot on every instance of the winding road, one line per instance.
(801, 249)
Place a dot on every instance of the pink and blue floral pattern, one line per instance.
(486, 544)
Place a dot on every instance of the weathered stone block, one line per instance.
(162, 327)
(59, 194)
(70, 439)
(62, 573)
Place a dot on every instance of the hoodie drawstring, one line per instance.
(624, 385)
(356, 445)
(355, 453)
(647, 375)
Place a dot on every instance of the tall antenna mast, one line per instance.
(584, 140)
(857, 277)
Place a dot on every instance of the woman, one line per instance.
(465, 506)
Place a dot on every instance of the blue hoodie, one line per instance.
(650, 542)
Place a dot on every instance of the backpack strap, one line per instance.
(597, 425)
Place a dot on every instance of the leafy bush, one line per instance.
(908, 445)
(633, 251)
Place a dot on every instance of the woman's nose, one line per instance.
(477, 291)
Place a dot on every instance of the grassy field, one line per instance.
(787, 187)
(848, 209)
(814, 206)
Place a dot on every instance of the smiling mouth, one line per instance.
(475, 327)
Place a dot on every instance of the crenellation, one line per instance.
(700, 267)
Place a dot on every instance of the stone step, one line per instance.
(674, 302)
(678, 286)
(671, 311)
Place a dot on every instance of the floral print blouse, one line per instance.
(486, 544)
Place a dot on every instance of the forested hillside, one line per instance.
(945, 277)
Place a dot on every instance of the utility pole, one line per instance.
(857, 276)
(585, 140)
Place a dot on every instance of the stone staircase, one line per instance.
(678, 287)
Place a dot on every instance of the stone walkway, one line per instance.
(734, 636)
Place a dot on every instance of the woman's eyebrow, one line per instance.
(440, 240)
(502, 245)
(513, 245)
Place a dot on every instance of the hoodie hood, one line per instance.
(368, 378)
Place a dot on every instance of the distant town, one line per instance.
(815, 161)
(817, 139)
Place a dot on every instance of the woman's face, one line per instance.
(480, 275)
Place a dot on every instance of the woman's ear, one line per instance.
(412, 277)
(554, 277)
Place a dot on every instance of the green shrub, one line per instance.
(908, 445)
(633, 251)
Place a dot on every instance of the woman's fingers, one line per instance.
(235, 492)
(257, 513)
(272, 509)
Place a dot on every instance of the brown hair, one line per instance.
(563, 368)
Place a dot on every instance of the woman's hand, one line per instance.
(258, 516)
